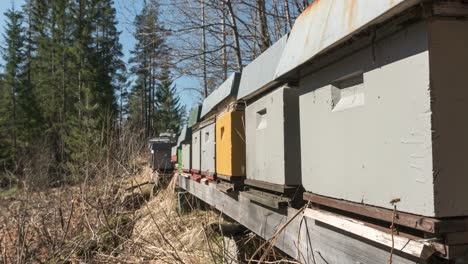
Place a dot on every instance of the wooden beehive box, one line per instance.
(192, 145)
(187, 157)
(161, 153)
(387, 119)
(271, 124)
(208, 150)
(183, 143)
(272, 138)
(196, 151)
(218, 101)
(230, 144)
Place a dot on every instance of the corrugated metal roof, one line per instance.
(228, 88)
(260, 73)
(326, 23)
(194, 116)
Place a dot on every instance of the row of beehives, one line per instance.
(160, 148)
(369, 112)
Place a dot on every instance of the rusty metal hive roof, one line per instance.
(226, 89)
(327, 23)
(259, 75)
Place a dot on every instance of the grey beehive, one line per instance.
(272, 138)
(208, 149)
(389, 121)
(187, 157)
(259, 75)
(161, 153)
(196, 151)
(228, 89)
(183, 143)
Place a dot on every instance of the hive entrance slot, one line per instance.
(222, 132)
(262, 119)
(348, 92)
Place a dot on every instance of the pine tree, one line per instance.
(33, 122)
(99, 68)
(109, 65)
(148, 58)
(73, 63)
(169, 112)
(11, 93)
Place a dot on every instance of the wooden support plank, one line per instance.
(406, 245)
(426, 224)
(271, 186)
(265, 199)
(196, 177)
(302, 239)
(210, 176)
(239, 179)
(225, 188)
(186, 175)
(205, 181)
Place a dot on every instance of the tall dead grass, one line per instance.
(113, 213)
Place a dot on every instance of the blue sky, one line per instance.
(126, 10)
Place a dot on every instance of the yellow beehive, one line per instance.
(230, 144)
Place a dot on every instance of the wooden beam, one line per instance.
(265, 199)
(406, 245)
(302, 239)
(422, 223)
(271, 186)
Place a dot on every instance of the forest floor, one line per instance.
(122, 219)
(127, 222)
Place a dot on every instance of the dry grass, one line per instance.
(163, 235)
(100, 224)
(112, 214)
(63, 225)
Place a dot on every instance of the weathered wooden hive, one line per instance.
(196, 152)
(384, 104)
(179, 152)
(208, 154)
(195, 143)
(161, 152)
(272, 126)
(220, 100)
(183, 144)
(230, 144)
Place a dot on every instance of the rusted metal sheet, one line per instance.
(259, 75)
(224, 91)
(327, 23)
